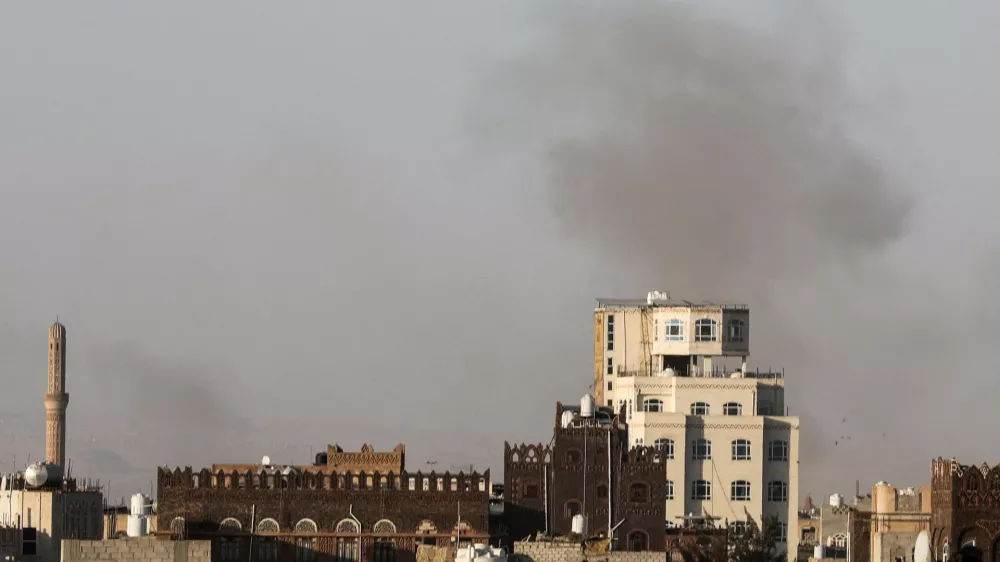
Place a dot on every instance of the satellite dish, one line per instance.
(922, 548)
(266, 461)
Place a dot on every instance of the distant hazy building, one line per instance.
(965, 511)
(52, 512)
(898, 517)
(729, 448)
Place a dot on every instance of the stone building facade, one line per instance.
(587, 469)
(965, 510)
(282, 513)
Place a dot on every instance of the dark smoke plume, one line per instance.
(716, 161)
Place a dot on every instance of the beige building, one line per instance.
(54, 514)
(679, 370)
(898, 517)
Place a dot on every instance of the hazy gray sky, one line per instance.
(274, 228)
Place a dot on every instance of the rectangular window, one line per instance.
(777, 491)
(701, 450)
(777, 451)
(670, 490)
(611, 332)
(611, 366)
(764, 408)
(701, 490)
(609, 404)
(609, 386)
(674, 330)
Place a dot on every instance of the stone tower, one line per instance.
(56, 398)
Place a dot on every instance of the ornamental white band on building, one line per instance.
(680, 370)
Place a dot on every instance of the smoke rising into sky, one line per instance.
(272, 229)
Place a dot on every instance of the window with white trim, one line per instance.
(777, 451)
(701, 450)
(732, 409)
(652, 405)
(736, 331)
(666, 446)
(777, 491)
(701, 490)
(738, 528)
(669, 490)
(782, 534)
(673, 330)
(699, 409)
(740, 491)
(705, 330)
(741, 450)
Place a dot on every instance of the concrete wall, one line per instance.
(145, 549)
(571, 552)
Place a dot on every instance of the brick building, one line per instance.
(965, 511)
(589, 469)
(307, 514)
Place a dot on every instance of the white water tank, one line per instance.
(43, 474)
(579, 524)
(818, 551)
(836, 500)
(138, 526)
(668, 372)
(567, 418)
(139, 505)
(587, 406)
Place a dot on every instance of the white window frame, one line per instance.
(740, 490)
(777, 491)
(666, 446)
(736, 330)
(741, 450)
(728, 408)
(782, 532)
(673, 330)
(669, 490)
(652, 405)
(701, 486)
(700, 409)
(713, 330)
(701, 450)
(781, 447)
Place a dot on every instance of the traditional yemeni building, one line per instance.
(588, 469)
(729, 446)
(898, 518)
(335, 459)
(315, 513)
(965, 511)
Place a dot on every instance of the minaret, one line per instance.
(56, 398)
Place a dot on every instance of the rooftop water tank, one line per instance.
(43, 474)
(138, 526)
(567, 418)
(139, 505)
(579, 524)
(587, 406)
(836, 500)
(818, 551)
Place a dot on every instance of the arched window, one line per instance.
(701, 490)
(652, 405)
(701, 449)
(638, 541)
(741, 450)
(231, 524)
(699, 409)
(385, 543)
(305, 547)
(705, 330)
(840, 540)
(572, 508)
(777, 491)
(737, 331)
(972, 483)
(669, 490)
(777, 450)
(638, 492)
(738, 528)
(740, 491)
(666, 446)
(348, 548)
(177, 525)
(674, 330)
(268, 526)
(732, 409)
(573, 456)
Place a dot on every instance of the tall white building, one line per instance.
(679, 369)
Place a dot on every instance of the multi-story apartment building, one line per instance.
(679, 369)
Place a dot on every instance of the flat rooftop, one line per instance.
(671, 303)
